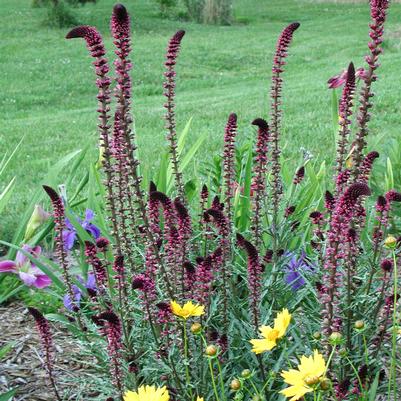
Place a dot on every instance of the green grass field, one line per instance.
(48, 94)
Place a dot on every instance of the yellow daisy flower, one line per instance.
(302, 380)
(199, 398)
(188, 310)
(272, 335)
(148, 393)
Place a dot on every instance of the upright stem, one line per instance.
(392, 373)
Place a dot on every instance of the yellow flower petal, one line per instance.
(282, 321)
(309, 367)
(148, 393)
(296, 392)
(188, 310)
(293, 377)
(262, 345)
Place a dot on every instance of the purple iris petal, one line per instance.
(89, 215)
(70, 304)
(70, 234)
(296, 269)
(90, 285)
(91, 229)
(69, 239)
(91, 282)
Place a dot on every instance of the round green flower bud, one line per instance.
(246, 373)
(335, 338)
(390, 242)
(317, 335)
(235, 385)
(311, 380)
(359, 324)
(211, 350)
(325, 384)
(196, 328)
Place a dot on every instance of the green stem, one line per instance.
(223, 392)
(392, 375)
(186, 361)
(213, 380)
(356, 374)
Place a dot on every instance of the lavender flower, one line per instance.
(70, 233)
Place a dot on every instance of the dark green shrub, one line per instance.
(59, 15)
(166, 6)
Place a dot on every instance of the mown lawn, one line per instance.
(48, 96)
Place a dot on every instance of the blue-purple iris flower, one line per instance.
(89, 285)
(296, 268)
(70, 234)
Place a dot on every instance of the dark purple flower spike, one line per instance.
(259, 177)
(345, 210)
(378, 12)
(46, 341)
(229, 162)
(110, 327)
(254, 277)
(97, 50)
(169, 85)
(345, 112)
(279, 62)
(60, 226)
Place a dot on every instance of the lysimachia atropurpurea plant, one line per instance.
(185, 302)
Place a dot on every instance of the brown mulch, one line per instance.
(22, 367)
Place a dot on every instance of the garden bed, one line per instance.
(22, 367)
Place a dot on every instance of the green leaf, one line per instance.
(5, 161)
(52, 178)
(389, 175)
(8, 395)
(5, 349)
(5, 195)
(12, 293)
(245, 204)
(161, 180)
(373, 388)
(56, 317)
(334, 113)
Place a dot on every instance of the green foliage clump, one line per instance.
(59, 15)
